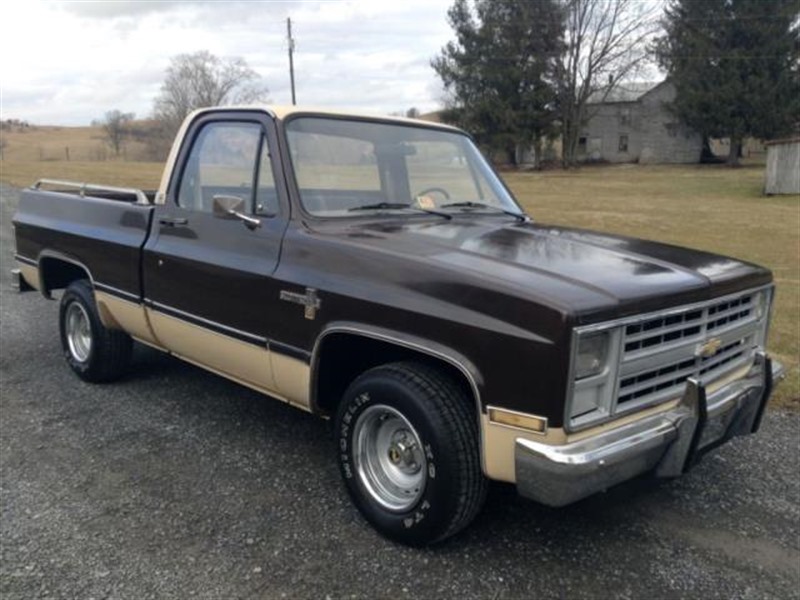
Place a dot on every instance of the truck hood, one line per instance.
(592, 276)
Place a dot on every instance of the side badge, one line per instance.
(310, 301)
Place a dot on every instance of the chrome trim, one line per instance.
(671, 311)
(16, 280)
(103, 287)
(250, 222)
(63, 257)
(83, 187)
(754, 328)
(405, 343)
(24, 259)
(309, 300)
(189, 317)
(78, 332)
(667, 443)
(778, 372)
(400, 341)
(389, 458)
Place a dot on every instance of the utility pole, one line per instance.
(291, 55)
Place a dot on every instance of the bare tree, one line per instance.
(3, 146)
(202, 79)
(116, 127)
(607, 43)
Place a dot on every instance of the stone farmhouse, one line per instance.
(632, 124)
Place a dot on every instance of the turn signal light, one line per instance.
(519, 420)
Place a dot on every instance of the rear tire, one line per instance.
(93, 352)
(409, 454)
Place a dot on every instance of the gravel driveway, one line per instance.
(174, 483)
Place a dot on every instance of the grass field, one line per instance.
(707, 207)
(712, 208)
(48, 143)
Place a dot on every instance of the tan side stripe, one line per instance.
(116, 313)
(30, 273)
(245, 363)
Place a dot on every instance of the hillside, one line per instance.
(51, 143)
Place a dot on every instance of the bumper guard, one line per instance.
(668, 443)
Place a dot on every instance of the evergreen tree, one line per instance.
(734, 64)
(499, 71)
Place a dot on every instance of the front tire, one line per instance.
(95, 353)
(409, 454)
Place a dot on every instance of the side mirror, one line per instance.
(230, 207)
(226, 207)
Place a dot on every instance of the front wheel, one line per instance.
(93, 352)
(408, 452)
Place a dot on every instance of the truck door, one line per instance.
(207, 275)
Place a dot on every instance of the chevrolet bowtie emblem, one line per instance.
(708, 348)
(309, 300)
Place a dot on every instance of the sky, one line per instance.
(68, 63)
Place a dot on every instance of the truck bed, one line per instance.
(103, 233)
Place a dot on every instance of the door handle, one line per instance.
(173, 221)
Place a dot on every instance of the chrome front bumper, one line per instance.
(668, 443)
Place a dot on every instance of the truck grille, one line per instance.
(659, 353)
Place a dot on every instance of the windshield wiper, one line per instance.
(521, 217)
(399, 206)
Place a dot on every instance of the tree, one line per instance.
(202, 79)
(498, 72)
(734, 64)
(116, 127)
(606, 44)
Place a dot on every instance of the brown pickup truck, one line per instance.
(378, 272)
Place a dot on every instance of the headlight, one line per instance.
(594, 373)
(591, 355)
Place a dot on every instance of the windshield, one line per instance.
(342, 166)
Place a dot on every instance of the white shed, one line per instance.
(783, 167)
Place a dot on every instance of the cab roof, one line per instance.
(283, 111)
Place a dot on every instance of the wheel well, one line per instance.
(56, 274)
(342, 357)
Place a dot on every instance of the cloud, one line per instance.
(113, 55)
(210, 12)
(123, 8)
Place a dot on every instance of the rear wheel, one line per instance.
(408, 452)
(93, 352)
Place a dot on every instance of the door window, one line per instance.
(222, 162)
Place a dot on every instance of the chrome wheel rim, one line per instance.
(79, 332)
(389, 458)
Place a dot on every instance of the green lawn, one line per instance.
(712, 208)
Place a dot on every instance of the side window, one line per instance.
(266, 194)
(222, 161)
